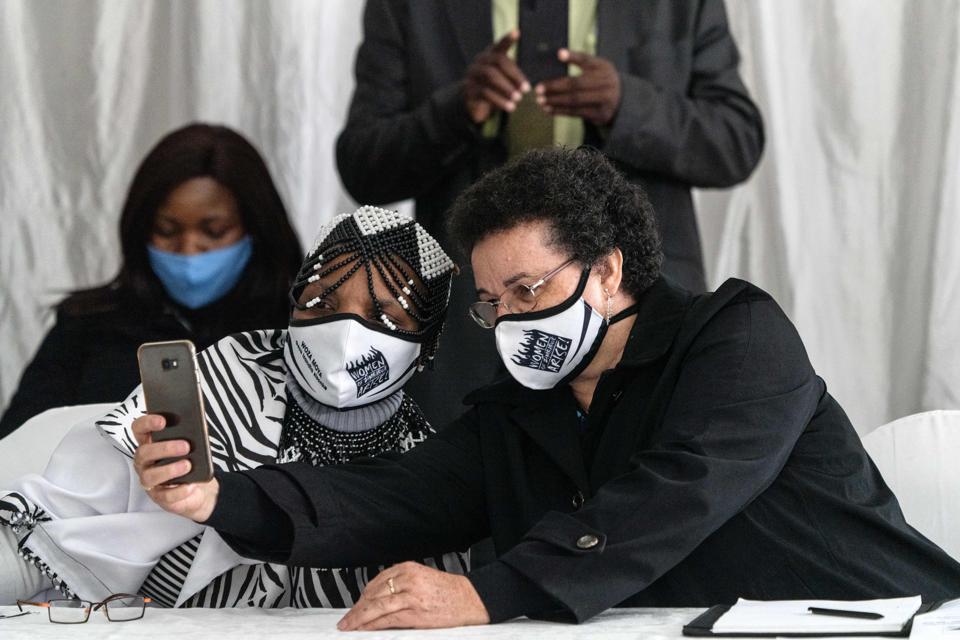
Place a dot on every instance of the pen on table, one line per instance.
(842, 613)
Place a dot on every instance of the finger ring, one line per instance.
(393, 589)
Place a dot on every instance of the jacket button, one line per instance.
(577, 500)
(588, 541)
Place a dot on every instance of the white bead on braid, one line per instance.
(390, 247)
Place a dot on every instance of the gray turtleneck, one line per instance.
(346, 420)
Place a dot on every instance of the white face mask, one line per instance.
(342, 363)
(542, 349)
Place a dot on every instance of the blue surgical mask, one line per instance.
(196, 281)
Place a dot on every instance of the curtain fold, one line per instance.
(89, 87)
(852, 219)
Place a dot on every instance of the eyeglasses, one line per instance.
(523, 296)
(120, 607)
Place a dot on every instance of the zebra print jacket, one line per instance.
(83, 522)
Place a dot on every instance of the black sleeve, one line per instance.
(373, 511)
(50, 380)
(743, 397)
(507, 594)
(249, 521)
(256, 527)
(390, 148)
(387, 509)
(709, 136)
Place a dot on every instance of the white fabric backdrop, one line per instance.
(851, 221)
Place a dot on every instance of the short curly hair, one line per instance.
(590, 206)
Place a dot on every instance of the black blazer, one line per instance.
(719, 468)
(685, 120)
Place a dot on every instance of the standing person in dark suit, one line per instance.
(652, 84)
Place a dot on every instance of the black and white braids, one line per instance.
(413, 265)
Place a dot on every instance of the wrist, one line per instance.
(478, 610)
(211, 490)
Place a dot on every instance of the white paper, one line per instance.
(792, 616)
(943, 622)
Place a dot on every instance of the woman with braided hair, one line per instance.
(369, 304)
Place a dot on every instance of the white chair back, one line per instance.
(28, 449)
(919, 458)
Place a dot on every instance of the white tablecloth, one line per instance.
(315, 624)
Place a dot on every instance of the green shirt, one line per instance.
(582, 36)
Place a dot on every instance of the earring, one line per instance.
(609, 297)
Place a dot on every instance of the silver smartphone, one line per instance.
(171, 388)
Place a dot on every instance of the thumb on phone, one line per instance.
(503, 44)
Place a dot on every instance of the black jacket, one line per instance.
(90, 357)
(718, 467)
(685, 120)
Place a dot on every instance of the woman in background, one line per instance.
(208, 251)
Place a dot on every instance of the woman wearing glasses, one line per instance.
(649, 448)
(368, 303)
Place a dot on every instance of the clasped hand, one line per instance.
(494, 83)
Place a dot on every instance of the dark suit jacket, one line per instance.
(721, 468)
(685, 120)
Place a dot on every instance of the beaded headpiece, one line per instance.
(414, 267)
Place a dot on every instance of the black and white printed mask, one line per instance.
(542, 349)
(341, 362)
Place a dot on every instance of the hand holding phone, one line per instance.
(594, 95)
(493, 81)
(193, 500)
(171, 389)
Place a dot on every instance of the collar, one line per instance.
(354, 420)
(660, 311)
